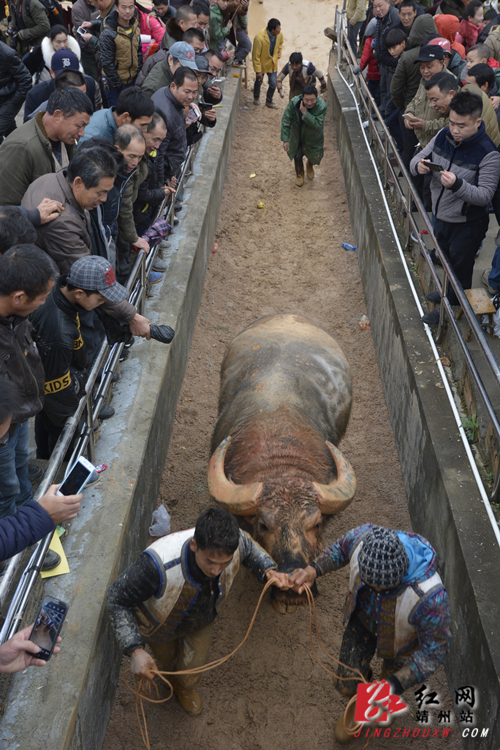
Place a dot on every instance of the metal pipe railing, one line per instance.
(89, 404)
(383, 140)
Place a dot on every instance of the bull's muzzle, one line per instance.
(288, 602)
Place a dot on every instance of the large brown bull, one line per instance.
(284, 404)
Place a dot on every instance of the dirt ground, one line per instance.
(285, 258)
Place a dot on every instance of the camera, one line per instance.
(11, 32)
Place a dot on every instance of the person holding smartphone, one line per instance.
(462, 191)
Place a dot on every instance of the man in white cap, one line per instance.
(90, 282)
(390, 573)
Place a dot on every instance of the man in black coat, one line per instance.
(40, 93)
(387, 17)
(171, 101)
(15, 82)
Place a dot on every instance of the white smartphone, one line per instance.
(76, 478)
(80, 30)
(410, 116)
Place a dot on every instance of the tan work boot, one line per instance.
(299, 171)
(310, 170)
(340, 734)
(189, 700)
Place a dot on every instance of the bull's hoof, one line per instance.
(283, 608)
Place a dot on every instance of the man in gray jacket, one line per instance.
(462, 190)
(170, 101)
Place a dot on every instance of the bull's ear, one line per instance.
(336, 496)
(240, 499)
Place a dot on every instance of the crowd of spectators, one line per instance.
(114, 95)
(434, 71)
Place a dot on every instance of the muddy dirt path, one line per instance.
(286, 258)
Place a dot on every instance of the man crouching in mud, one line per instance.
(396, 605)
(171, 595)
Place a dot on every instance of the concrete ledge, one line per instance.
(444, 503)
(67, 704)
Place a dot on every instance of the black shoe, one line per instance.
(124, 355)
(431, 318)
(178, 207)
(433, 297)
(35, 473)
(106, 412)
(52, 560)
(435, 259)
(116, 376)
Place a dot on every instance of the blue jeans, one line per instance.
(15, 487)
(112, 95)
(271, 77)
(494, 277)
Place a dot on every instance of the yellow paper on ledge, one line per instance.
(63, 566)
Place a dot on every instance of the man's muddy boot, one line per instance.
(189, 700)
(340, 733)
(299, 170)
(310, 170)
(331, 34)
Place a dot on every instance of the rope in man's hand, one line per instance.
(144, 686)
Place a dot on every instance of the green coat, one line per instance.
(309, 133)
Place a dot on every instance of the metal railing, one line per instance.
(385, 149)
(80, 427)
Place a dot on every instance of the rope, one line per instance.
(144, 686)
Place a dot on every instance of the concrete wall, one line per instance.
(67, 704)
(443, 499)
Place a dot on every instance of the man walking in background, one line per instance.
(266, 52)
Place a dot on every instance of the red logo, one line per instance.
(374, 702)
(109, 275)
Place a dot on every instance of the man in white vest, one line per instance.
(396, 606)
(171, 595)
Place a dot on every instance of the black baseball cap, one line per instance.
(430, 52)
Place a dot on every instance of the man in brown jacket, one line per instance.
(42, 145)
(83, 186)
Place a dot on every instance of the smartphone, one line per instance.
(410, 116)
(433, 166)
(76, 478)
(217, 80)
(205, 106)
(80, 30)
(48, 625)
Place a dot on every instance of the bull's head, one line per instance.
(286, 513)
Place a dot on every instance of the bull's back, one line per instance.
(284, 364)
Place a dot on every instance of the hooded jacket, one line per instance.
(67, 238)
(56, 329)
(306, 130)
(406, 78)
(47, 52)
(121, 52)
(173, 33)
(368, 58)
(411, 621)
(476, 162)
(25, 155)
(447, 26)
(467, 33)
(21, 364)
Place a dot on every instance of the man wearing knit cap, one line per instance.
(396, 607)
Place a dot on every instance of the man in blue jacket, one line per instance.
(462, 190)
(34, 520)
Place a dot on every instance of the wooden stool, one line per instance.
(481, 305)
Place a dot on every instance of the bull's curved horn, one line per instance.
(240, 499)
(336, 496)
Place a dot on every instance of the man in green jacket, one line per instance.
(30, 22)
(44, 144)
(302, 131)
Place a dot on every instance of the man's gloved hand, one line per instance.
(357, 70)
